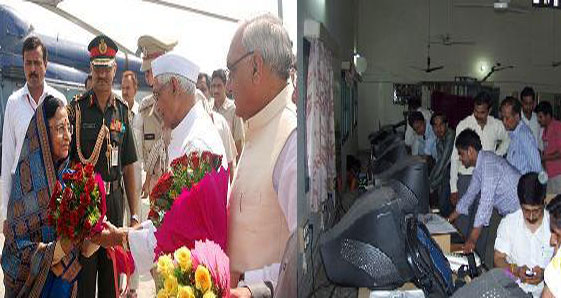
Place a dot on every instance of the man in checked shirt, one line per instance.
(497, 181)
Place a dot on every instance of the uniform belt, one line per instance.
(111, 186)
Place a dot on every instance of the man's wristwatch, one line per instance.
(135, 218)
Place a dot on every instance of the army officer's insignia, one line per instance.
(102, 46)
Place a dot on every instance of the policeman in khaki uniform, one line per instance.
(152, 137)
(103, 136)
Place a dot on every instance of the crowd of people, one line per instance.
(492, 177)
(244, 113)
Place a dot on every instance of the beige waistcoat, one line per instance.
(257, 227)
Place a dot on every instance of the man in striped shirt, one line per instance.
(497, 181)
(523, 151)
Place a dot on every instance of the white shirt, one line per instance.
(19, 111)
(535, 128)
(226, 135)
(524, 248)
(284, 183)
(410, 135)
(195, 132)
(494, 137)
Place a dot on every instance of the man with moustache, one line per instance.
(522, 242)
(226, 107)
(20, 109)
(100, 116)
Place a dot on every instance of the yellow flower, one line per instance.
(183, 258)
(185, 292)
(209, 294)
(170, 284)
(202, 279)
(165, 265)
(162, 293)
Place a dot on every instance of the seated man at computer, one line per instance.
(425, 137)
(497, 180)
(522, 244)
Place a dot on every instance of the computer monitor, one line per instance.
(409, 177)
(393, 153)
(357, 252)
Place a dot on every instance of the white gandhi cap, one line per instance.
(173, 63)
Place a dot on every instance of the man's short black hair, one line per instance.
(528, 91)
(414, 102)
(554, 209)
(468, 138)
(530, 190)
(482, 98)
(221, 74)
(207, 79)
(513, 103)
(31, 43)
(545, 108)
(414, 116)
(440, 115)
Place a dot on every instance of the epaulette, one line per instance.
(146, 103)
(119, 99)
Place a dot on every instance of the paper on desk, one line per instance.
(436, 224)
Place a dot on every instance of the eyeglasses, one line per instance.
(533, 211)
(157, 92)
(62, 128)
(232, 67)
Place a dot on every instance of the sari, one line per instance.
(30, 242)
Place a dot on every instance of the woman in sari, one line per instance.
(37, 263)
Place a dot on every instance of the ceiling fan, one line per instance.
(496, 68)
(429, 69)
(499, 6)
(447, 40)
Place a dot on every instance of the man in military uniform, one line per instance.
(154, 139)
(103, 136)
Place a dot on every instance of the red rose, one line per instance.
(79, 175)
(195, 161)
(179, 162)
(89, 170)
(162, 186)
(205, 156)
(67, 193)
(67, 176)
(84, 199)
(87, 225)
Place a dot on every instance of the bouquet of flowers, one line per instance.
(77, 205)
(202, 272)
(185, 172)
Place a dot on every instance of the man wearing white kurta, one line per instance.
(192, 130)
(20, 109)
(262, 207)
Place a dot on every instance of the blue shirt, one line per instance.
(427, 142)
(523, 151)
(497, 181)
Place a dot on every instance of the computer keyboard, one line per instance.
(457, 259)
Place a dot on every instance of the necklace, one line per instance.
(103, 134)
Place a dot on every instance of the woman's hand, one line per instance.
(110, 236)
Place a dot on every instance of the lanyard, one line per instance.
(29, 100)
